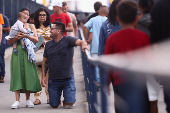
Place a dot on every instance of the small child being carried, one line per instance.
(18, 26)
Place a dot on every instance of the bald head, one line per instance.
(103, 11)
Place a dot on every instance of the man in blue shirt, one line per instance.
(5, 30)
(95, 23)
(59, 53)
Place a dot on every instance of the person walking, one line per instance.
(144, 21)
(5, 30)
(129, 87)
(59, 16)
(24, 75)
(160, 32)
(42, 25)
(59, 53)
(108, 27)
(73, 20)
(95, 23)
(97, 6)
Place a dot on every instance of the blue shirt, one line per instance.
(106, 30)
(60, 56)
(95, 23)
(6, 24)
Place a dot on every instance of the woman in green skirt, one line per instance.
(24, 75)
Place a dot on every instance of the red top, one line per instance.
(63, 17)
(123, 41)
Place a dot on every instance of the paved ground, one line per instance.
(7, 97)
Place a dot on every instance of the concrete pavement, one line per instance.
(7, 98)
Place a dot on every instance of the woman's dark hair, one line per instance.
(112, 13)
(160, 25)
(146, 5)
(25, 9)
(36, 18)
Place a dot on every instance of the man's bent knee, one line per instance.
(54, 106)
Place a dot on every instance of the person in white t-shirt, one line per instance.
(18, 26)
(73, 20)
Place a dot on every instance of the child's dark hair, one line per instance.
(127, 11)
(146, 5)
(61, 26)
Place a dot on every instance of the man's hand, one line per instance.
(43, 82)
(85, 47)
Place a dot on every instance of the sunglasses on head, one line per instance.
(42, 14)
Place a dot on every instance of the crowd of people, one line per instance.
(55, 35)
(117, 29)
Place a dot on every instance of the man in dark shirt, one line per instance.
(59, 53)
(97, 6)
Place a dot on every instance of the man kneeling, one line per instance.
(59, 53)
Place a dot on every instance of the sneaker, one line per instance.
(29, 104)
(69, 106)
(15, 51)
(15, 105)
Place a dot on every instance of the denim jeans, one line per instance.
(96, 68)
(2, 60)
(55, 88)
(132, 96)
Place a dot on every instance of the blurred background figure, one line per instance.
(108, 27)
(160, 31)
(77, 19)
(85, 19)
(59, 16)
(73, 20)
(95, 23)
(97, 6)
(32, 18)
(143, 23)
(5, 31)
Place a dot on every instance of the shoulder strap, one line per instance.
(30, 26)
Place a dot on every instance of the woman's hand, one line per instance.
(22, 35)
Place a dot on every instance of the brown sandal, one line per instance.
(37, 102)
(47, 101)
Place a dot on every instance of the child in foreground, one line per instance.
(129, 87)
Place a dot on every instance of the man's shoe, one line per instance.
(68, 106)
(15, 105)
(1, 79)
(29, 104)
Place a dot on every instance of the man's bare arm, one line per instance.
(69, 27)
(43, 82)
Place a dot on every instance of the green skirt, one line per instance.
(24, 75)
